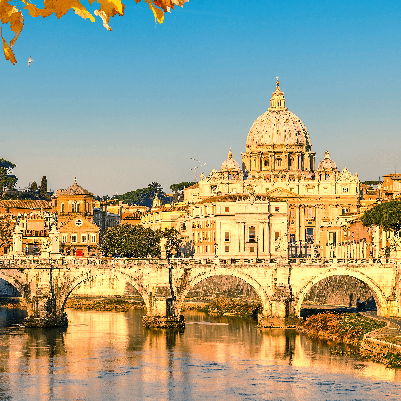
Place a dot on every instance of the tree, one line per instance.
(145, 196)
(131, 241)
(34, 187)
(386, 215)
(173, 241)
(179, 188)
(11, 13)
(139, 242)
(7, 180)
(43, 187)
(6, 231)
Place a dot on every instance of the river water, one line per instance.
(109, 356)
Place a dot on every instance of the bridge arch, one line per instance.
(14, 281)
(380, 298)
(114, 273)
(204, 274)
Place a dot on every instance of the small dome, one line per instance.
(327, 163)
(74, 189)
(230, 164)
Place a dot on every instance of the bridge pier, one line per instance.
(43, 313)
(162, 315)
(45, 302)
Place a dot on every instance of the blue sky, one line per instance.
(124, 108)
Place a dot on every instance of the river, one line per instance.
(109, 356)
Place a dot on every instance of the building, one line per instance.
(391, 185)
(278, 171)
(79, 236)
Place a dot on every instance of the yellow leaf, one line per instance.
(159, 14)
(8, 53)
(83, 13)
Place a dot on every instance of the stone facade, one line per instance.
(78, 235)
(278, 171)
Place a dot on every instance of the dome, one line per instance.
(278, 125)
(74, 189)
(230, 164)
(327, 163)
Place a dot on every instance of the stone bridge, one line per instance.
(281, 284)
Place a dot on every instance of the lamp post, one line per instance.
(171, 300)
(215, 249)
(257, 247)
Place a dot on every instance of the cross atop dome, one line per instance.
(277, 101)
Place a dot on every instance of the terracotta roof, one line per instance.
(74, 189)
(25, 204)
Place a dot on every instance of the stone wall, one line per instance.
(223, 287)
(339, 291)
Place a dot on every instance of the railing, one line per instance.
(71, 260)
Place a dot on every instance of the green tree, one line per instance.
(179, 188)
(139, 242)
(173, 241)
(145, 196)
(43, 187)
(34, 187)
(131, 241)
(7, 180)
(386, 215)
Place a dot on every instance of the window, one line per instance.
(252, 249)
(62, 208)
(227, 236)
(73, 238)
(266, 162)
(276, 235)
(345, 189)
(227, 248)
(83, 238)
(93, 238)
(206, 248)
(252, 234)
(227, 209)
(310, 212)
(292, 213)
(64, 238)
(278, 162)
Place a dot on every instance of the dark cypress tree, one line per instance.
(43, 187)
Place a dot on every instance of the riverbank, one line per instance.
(225, 307)
(105, 304)
(368, 337)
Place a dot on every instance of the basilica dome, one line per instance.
(327, 163)
(278, 126)
(230, 164)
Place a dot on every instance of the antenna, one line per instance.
(196, 168)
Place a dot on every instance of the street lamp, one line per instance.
(172, 299)
(257, 247)
(215, 249)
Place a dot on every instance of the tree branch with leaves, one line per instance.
(11, 12)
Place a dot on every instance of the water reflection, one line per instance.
(106, 355)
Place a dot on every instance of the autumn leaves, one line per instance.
(12, 14)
